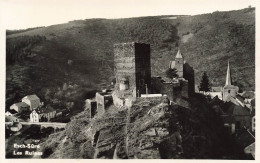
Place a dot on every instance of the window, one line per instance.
(228, 91)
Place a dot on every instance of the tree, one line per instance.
(204, 84)
(171, 73)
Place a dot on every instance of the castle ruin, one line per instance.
(132, 70)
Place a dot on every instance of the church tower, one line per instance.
(229, 90)
(228, 77)
(179, 61)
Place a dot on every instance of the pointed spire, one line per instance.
(115, 152)
(228, 78)
(178, 54)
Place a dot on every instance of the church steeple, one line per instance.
(228, 78)
(178, 54)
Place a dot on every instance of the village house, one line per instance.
(8, 114)
(246, 141)
(20, 107)
(33, 101)
(11, 119)
(250, 149)
(42, 114)
(16, 126)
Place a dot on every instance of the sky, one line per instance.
(21, 14)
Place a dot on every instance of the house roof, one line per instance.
(240, 98)
(42, 110)
(7, 112)
(32, 97)
(21, 104)
(10, 118)
(216, 89)
(216, 101)
(233, 109)
(245, 138)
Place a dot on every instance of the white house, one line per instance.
(8, 114)
(42, 114)
(34, 117)
(20, 107)
(32, 100)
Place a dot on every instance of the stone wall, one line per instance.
(173, 90)
(91, 108)
(188, 74)
(103, 101)
(132, 61)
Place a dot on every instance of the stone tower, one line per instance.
(132, 67)
(179, 61)
(229, 90)
(178, 64)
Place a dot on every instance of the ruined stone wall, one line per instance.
(124, 63)
(188, 74)
(100, 103)
(172, 90)
(184, 88)
(143, 67)
(91, 108)
(132, 61)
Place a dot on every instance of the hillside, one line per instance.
(151, 129)
(42, 60)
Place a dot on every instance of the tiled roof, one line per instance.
(216, 101)
(240, 98)
(42, 110)
(21, 104)
(32, 97)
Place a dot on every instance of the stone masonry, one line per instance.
(133, 66)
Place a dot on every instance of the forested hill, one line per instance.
(81, 51)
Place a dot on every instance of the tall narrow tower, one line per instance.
(228, 78)
(229, 90)
(179, 61)
(132, 67)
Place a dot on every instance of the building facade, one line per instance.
(42, 114)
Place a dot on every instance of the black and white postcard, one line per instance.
(151, 79)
